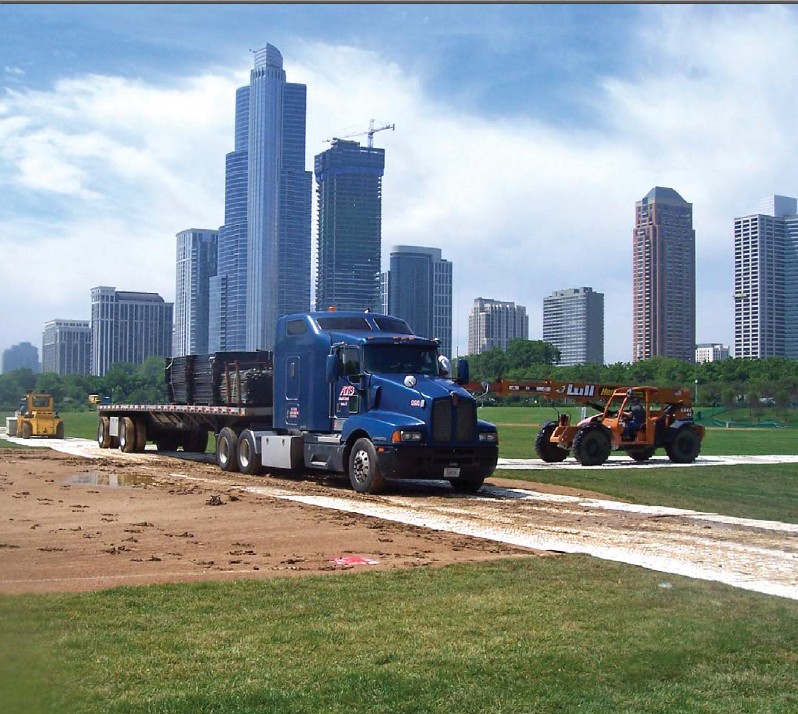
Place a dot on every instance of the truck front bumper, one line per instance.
(408, 461)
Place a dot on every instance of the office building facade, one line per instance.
(663, 277)
(711, 352)
(21, 356)
(493, 323)
(128, 327)
(195, 266)
(573, 321)
(766, 280)
(349, 209)
(66, 347)
(420, 292)
(264, 253)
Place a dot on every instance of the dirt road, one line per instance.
(92, 519)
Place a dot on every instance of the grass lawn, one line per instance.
(535, 635)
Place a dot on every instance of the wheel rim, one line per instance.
(360, 466)
(243, 454)
(224, 451)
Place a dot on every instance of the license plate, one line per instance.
(451, 472)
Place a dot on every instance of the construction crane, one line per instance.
(372, 130)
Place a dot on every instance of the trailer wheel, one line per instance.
(550, 453)
(196, 441)
(127, 435)
(364, 470)
(249, 461)
(685, 446)
(141, 434)
(103, 435)
(27, 430)
(227, 450)
(592, 446)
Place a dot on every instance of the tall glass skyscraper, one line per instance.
(195, 266)
(766, 280)
(420, 292)
(264, 246)
(663, 277)
(349, 189)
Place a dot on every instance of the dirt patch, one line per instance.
(73, 524)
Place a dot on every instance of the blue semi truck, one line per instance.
(349, 392)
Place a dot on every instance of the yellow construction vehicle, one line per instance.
(36, 416)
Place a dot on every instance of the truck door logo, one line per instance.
(348, 390)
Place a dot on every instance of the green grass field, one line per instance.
(561, 634)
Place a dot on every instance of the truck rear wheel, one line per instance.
(248, 458)
(592, 446)
(550, 453)
(364, 469)
(103, 435)
(127, 435)
(227, 450)
(685, 446)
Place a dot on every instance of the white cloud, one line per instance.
(520, 207)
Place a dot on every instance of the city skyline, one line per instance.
(114, 138)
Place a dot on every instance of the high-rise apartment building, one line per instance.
(128, 327)
(573, 321)
(493, 323)
(663, 277)
(21, 356)
(263, 268)
(66, 347)
(196, 265)
(711, 352)
(349, 190)
(420, 292)
(766, 280)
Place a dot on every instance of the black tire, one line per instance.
(550, 453)
(27, 430)
(59, 430)
(641, 453)
(364, 469)
(592, 446)
(167, 441)
(103, 435)
(141, 434)
(227, 450)
(127, 435)
(467, 484)
(685, 445)
(248, 457)
(196, 441)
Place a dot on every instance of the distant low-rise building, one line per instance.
(711, 352)
(66, 347)
(493, 323)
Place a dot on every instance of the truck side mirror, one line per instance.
(333, 368)
(462, 371)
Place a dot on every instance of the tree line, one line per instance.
(137, 384)
(722, 383)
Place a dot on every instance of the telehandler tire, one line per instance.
(592, 446)
(550, 453)
(685, 445)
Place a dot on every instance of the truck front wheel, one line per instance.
(364, 470)
(227, 450)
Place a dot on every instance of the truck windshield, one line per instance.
(401, 359)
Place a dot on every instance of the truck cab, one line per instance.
(368, 397)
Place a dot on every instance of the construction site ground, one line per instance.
(78, 518)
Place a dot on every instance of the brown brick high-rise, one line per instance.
(663, 277)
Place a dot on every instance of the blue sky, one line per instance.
(524, 135)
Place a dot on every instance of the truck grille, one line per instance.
(454, 419)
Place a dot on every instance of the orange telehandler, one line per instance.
(637, 420)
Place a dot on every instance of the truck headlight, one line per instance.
(490, 437)
(406, 435)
